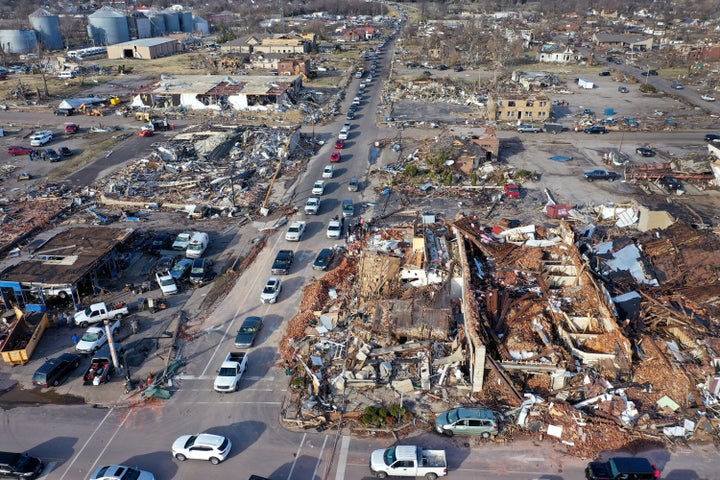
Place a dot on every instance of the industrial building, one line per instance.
(144, 48)
(217, 92)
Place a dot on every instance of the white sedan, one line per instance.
(202, 446)
(328, 171)
(121, 472)
(271, 291)
(319, 187)
(708, 98)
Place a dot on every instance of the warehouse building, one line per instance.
(144, 48)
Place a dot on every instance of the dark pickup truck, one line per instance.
(593, 175)
(620, 468)
(283, 261)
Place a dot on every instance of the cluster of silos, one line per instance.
(47, 28)
(108, 26)
(139, 25)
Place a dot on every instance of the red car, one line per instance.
(335, 157)
(340, 144)
(145, 133)
(17, 150)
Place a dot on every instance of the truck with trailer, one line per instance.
(97, 312)
(232, 368)
(408, 461)
(21, 335)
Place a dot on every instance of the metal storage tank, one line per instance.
(108, 26)
(18, 41)
(201, 25)
(47, 27)
(139, 25)
(186, 22)
(157, 23)
(172, 20)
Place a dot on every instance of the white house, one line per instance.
(557, 55)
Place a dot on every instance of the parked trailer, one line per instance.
(22, 336)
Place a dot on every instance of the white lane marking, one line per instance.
(320, 456)
(211, 377)
(297, 455)
(342, 461)
(90, 438)
(107, 444)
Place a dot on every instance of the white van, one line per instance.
(40, 138)
(67, 74)
(197, 245)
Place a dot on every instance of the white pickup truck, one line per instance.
(97, 312)
(232, 368)
(295, 232)
(312, 206)
(408, 461)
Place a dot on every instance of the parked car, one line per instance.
(707, 97)
(55, 370)
(121, 472)
(604, 73)
(181, 270)
(249, 329)
(593, 175)
(350, 115)
(623, 89)
(164, 263)
(335, 156)
(318, 187)
(20, 465)
(166, 283)
(328, 171)
(324, 259)
(334, 229)
(712, 138)
(677, 85)
(160, 241)
(527, 128)
(16, 150)
(24, 176)
(201, 271)
(645, 151)
(467, 421)
(202, 446)
(671, 183)
(271, 290)
(181, 241)
(340, 144)
(596, 129)
(353, 185)
(66, 152)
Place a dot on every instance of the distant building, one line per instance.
(519, 107)
(144, 48)
(293, 66)
(623, 41)
(557, 55)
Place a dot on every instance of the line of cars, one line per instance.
(170, 271)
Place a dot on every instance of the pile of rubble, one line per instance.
(598, 342)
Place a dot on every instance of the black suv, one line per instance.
(19, 465)
(55, 370)
(712, 138)
(324, 259)
(671, 183)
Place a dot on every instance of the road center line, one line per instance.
(297, 455)
(320, 456)
(87, 442)
(107, 444)
(342, 460)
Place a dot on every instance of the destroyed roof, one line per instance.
(67, 256)
(219, 85)
(78, 102)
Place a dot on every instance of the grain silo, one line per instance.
(186, 21)
(47, 27)
(108, 26)
(172, 20)
(139, 25)
(18, 41)
(157, 23)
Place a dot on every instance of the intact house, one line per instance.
(622, 41)
(519, 107)
(282, 43)
(71, 263)
(217, 92)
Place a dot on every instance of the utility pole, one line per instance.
(111, 343)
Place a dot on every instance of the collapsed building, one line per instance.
(595, 339)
